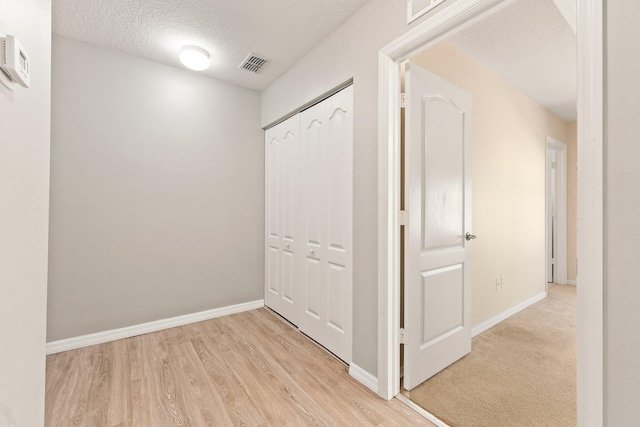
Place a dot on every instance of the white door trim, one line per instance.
(590, 247)
(590, 195)
(548, 224)
(560, 150)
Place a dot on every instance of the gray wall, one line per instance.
(157, 183)
(622, 211)
(24, 211)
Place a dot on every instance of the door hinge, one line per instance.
(403, 100)
(403, 217)
(402, 336)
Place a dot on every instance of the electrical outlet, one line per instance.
(502, 281)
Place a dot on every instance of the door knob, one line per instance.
(470, 236)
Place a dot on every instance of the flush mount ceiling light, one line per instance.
(194, 57)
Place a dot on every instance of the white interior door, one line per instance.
(437, 313)
(327, 212)
(282, 218)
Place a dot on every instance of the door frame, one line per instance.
(560, 148)
(590, 194)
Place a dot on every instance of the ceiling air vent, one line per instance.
(253, 63)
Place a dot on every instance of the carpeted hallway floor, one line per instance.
(521, 372)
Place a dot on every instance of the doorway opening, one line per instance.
(556, 212)
(458, 15)
(507, 270)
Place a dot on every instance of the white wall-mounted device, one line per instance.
(14, 61)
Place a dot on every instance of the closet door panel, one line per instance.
(312, 300)
(337, 310)
(326, 141)
(313, 198)
(288, 276)
(272, 250)
(289, 166)
(339, 254)
(338, 180)
(282, 218)
(272, 270)
(313, 181)
(273, 186)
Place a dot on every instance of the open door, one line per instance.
(437, 297)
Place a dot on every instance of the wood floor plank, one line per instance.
(136, 355)
(217, 359)
(100, 383)
(324, 393)
(250, 369)
(59, 387)
(71, 390)
(219, 371)
(172, 397)
(198, 389)
(263, 386)
(281, 345)
(117, 413)
(137, 407)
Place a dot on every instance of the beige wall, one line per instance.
(572, 199)
(24, 210)
(622, 213)
(509, 148)
(157, 192)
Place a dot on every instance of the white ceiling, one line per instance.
(279, 30)
(530, 45)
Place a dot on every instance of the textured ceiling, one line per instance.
(279, 30)
(530, 45)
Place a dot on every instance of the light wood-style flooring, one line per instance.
(248, 369)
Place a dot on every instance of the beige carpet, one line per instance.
(521, 372)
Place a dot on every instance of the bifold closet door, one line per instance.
(282, 218)
(326, 179)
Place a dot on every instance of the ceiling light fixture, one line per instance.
(194, 57)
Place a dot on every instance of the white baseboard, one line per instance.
(572, 282)
(364, 377)
(145, 328)
(487, 324)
